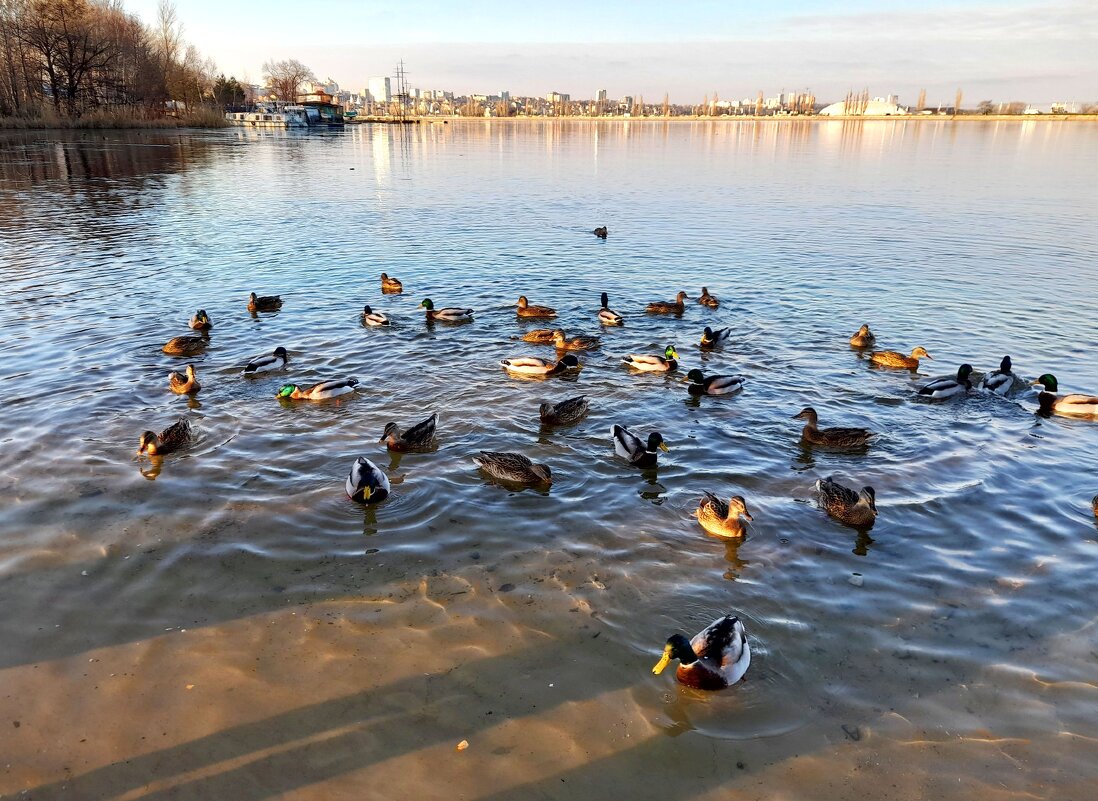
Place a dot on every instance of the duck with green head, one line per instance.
(714, 659)
(635, 450)
(201, 321)
(1049, 402)
(942, 388)
(448, 314)
(322, 391)
(654, 364)
(700, 384)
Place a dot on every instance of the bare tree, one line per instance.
(957, 103)
(666, 110)
(921, 104)
(285, 77)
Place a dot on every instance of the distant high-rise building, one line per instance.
(505, 96)
(601, 96)
(557, 97)
(379, 90)
(627, 101)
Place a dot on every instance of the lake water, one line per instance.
(225, 624)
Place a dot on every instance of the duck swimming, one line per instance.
(606, 315)
(367, 483)
(654, 364)
(265, 303)
(634, 450)
(857, 509)
(1003, 381)
(542, 336)
(714, 339)
(184, 383)
(186, 345)
(663, 307)
(830, 437)
(265, 364)
(171, 439)
(722, 519)
(564, 413)
(600, 232)
(575, 343)
(716, 658)
(322, 391)
(419, 437)
(705, 299)
(891, 358)
(941, 388)
(863, 338)
(531, 365)
(201, 321)
(1072, 405)
(390, 285)
(450, 314)
(714, 384)
(524, 309)
(372, 318)
(513, 467)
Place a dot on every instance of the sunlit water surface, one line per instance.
(224, 623)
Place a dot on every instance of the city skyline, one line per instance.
(1016, 51)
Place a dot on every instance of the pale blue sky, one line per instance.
(1033, 51)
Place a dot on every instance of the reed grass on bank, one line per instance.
(100, 120)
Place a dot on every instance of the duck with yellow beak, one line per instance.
(367, 483)
(716, 658)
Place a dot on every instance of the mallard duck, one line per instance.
(1002, 381)
(201, 321)
(575, 343)
(450, 314)
(857, 509)
(715, 659)
(390, 284)
(830, 437)
(418, 437)
(265, 364)
(606, 315)
(1072, 405)
(600, 232)
(663, 307)
(542, 336)
(705, 299)
(722, 519)
(864, 338)
(184, 383)
(524, 309)
(941, 388)
(564, 413)
(185, 345)
(170, 439)
(714, 339)
(513, 467)
(373, 318)
(633, 449)
(265, 303)
(714, 384)
(322, 391)
(531, 365)
(890, 358)
(367, 483)
(654, 364)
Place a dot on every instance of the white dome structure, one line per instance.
(877, 107)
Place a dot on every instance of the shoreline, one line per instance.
(784, 119)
